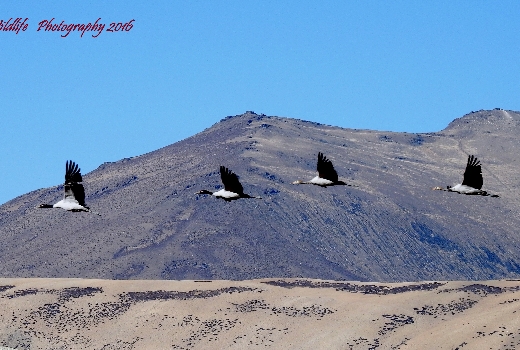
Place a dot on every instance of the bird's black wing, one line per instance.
(72, 172)
(76, 191)
(230, 181)
(473, 173)
(326, 169)
(73, 189)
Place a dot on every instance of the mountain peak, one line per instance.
(247, 114)
(385, 225)
(486, 121)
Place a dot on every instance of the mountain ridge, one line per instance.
(387, 226)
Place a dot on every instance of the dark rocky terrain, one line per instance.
(387, 226)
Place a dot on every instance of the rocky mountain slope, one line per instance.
(388, 225)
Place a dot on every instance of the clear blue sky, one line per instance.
(386, 65)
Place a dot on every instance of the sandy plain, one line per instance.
(267, 313)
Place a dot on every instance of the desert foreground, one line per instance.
(267, 313)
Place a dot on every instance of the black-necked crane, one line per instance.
(327, 175)
(232, 187)
(74, 198)
(472, 181)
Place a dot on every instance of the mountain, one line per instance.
(388, 225)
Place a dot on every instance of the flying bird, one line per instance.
(232, 187)
(472, 181)
(327, 175)
(74, 198)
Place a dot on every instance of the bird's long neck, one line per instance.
(205, 192)
(298, 182)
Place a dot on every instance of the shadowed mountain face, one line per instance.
(387, 226)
